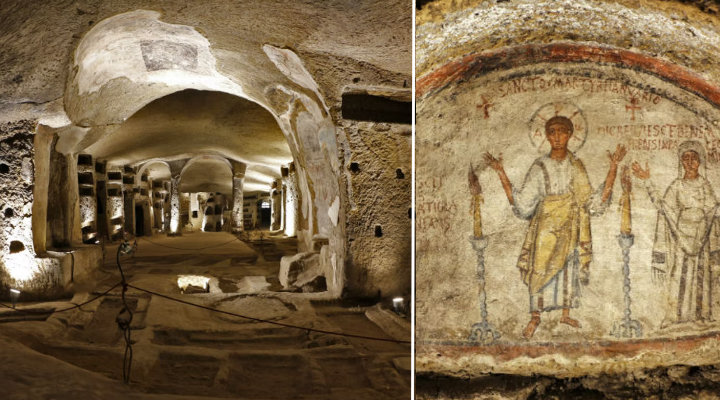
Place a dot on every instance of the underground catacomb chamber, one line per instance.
(208, 169)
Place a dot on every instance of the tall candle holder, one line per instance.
(482, 332)
(626, 327)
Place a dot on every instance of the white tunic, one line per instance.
(686, 245)
(553, 177)
(558, 181)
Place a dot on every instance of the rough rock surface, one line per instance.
(672, 30)
(18, 267)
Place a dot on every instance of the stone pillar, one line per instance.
(174, 205)
(194, 219)
(128, 181)
(115, 210)
(146, 186)
(88, 199)
(43, 146)
(291, 200)
(158, 204)
(72, 227)
(176, 168)
(276, 205)
(237, 200)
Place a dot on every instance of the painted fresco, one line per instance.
(566, 213)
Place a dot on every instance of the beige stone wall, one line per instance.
(19, 269)
(293, 59)
(489, 76)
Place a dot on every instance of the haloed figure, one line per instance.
(557, 198)
(687, 241)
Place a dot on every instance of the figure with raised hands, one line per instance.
(558, 199)
(687, 238)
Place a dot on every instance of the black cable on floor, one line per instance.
(271, 322)
(125, 316)
(37, 312)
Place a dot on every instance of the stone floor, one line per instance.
(183, 351)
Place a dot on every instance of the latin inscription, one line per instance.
(528, 84)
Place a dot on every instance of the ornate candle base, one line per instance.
(482, 332)
(626, 327)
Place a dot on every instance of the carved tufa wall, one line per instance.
(19, 269)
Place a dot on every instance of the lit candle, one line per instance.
(625, 216)
(476, 200)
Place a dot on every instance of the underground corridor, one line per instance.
(199, 214)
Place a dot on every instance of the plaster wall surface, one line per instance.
(620, 85)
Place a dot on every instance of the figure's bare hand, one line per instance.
(618, 155)
(494, 163)
(625, 180)
(639, 172)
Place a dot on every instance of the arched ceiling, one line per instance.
(192, 122)
(157, 171)
(208, 174)
(681, 32)
(340, 33)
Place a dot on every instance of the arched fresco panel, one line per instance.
(576, 274)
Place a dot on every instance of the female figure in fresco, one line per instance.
(557, 198)
(687, 238)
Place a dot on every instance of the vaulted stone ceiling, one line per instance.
(345, 32)
(192, 122)
(207, 174)
(157, 171)
(115, 103)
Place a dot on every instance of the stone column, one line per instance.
(291, 200)
(174, 205)
(72, 227)
(237, 200)
(88, 199)
(176, 168)
(128, 181)
(43, 146)
(114, 210)
(276, 205)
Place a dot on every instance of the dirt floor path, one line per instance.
(184, 351)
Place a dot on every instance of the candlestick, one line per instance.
(477, 215)
(625, 216)
(476, 200)
(482, 332)
(626, 327)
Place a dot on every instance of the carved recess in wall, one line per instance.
(603, 241)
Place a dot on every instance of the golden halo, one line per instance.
(549, 110)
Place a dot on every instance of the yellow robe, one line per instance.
(558, 234)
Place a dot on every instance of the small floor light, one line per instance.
(398, 304)
(14, 294)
